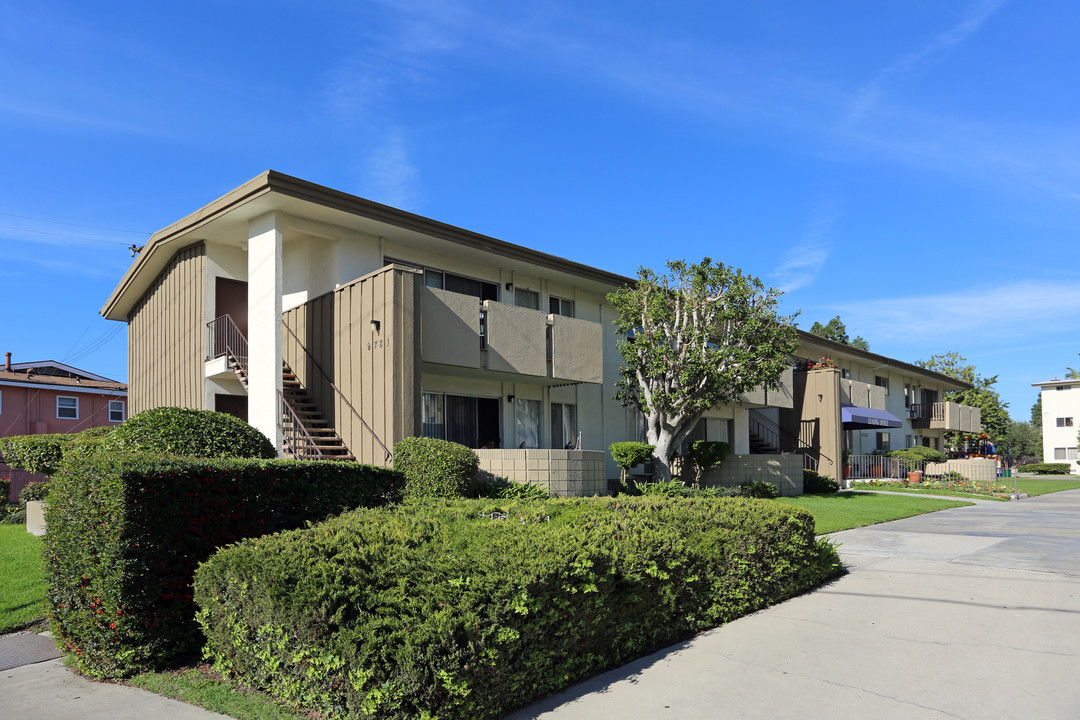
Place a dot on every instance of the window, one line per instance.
(116, 411)
(908, 392)
(882, 382)
(526, 423)
(909, 441)
(560, 306)
(1064, 422)
(470, 421)
(1065, 453)
(883, 441)
(845, 373)
(564, 427)
(449, 281)
(67, 408)
(527, 298)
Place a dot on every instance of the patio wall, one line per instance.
(567, 473)
(784, 471)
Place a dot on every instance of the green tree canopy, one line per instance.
(1023, 441)
(700, 336)
(995, 414)
(836, 330)
(1036, 413)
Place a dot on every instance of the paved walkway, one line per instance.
(966, 613)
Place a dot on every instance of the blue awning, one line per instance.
(863, 418)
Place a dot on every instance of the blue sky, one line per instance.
(913, 166)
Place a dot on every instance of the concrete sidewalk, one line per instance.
(966, 613)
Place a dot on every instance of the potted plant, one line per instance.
(846, 461)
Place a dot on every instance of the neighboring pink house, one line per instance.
(38, 398)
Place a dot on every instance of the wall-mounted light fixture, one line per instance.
(374, 326)
(509, 398)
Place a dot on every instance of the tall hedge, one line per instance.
(35, 453)
(126, 533)
(188, 432)
(470, 608)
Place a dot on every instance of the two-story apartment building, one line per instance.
(1060, 421)
(43, 397)
(338, 326)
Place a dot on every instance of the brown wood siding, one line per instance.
(378, 373)
(166, 330)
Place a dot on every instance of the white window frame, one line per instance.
(76, 407)
(1064, 422)
(882, 381)
(1065, 453)
(123, 411)
(566, 307)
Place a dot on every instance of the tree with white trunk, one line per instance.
(700, 336)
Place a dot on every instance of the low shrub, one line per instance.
(1045, 468)
(470, 608)
(500, 488)
(436, 468)
(187, 432)
(126, 532)
(919, 453)
(34, 492)
(816, 483)
(5, 489)
(628, 455)
(760, 489)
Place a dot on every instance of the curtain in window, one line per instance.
(564, 427)
(527, 423)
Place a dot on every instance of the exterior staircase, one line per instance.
(305, 421)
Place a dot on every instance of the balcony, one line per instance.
(948, 416)
(461, 331)
(860, 394)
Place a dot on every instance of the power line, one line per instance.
(60, 222)
(73, 237)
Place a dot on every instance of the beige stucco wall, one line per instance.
(450, 328)
(516, 339)
(166, 333)
(783, 471)
(576, 347)
(567, 473)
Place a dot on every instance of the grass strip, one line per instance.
(201, 686)
(22, 578)
(1043, 485)
(844, 511)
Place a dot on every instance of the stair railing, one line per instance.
(224, 339)
(758, 422)
(296, 437)
(388, 455)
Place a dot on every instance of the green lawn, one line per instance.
(22, 579)
(843, 511)
(1041, 485)
(202, 687)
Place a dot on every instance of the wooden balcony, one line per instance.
(948, 416)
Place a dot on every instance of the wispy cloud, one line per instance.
(801, 264)
(390, 174)
(870, 94)
(975, 315)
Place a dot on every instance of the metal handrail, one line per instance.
(297, 437)
(777, 431)
(341, 395)
(224, 339)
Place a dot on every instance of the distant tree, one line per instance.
(700, 336)
(995, 414)
(836, 330)
(1023, 440)
(1072, 374)
(1036, 413)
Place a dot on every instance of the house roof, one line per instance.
(1050, 383)
(834, 348)
(47, 374)
(273, 191)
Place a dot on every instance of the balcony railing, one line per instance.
(949, 416)
(223, 339)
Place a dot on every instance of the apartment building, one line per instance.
(1060, 421)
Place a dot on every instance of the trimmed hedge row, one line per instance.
(35, 453)
(126, 533)
(436, 468)
(189, 432)
(470, 608)
(1045, 468)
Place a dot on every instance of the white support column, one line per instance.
(740, 444)
(264, 325)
